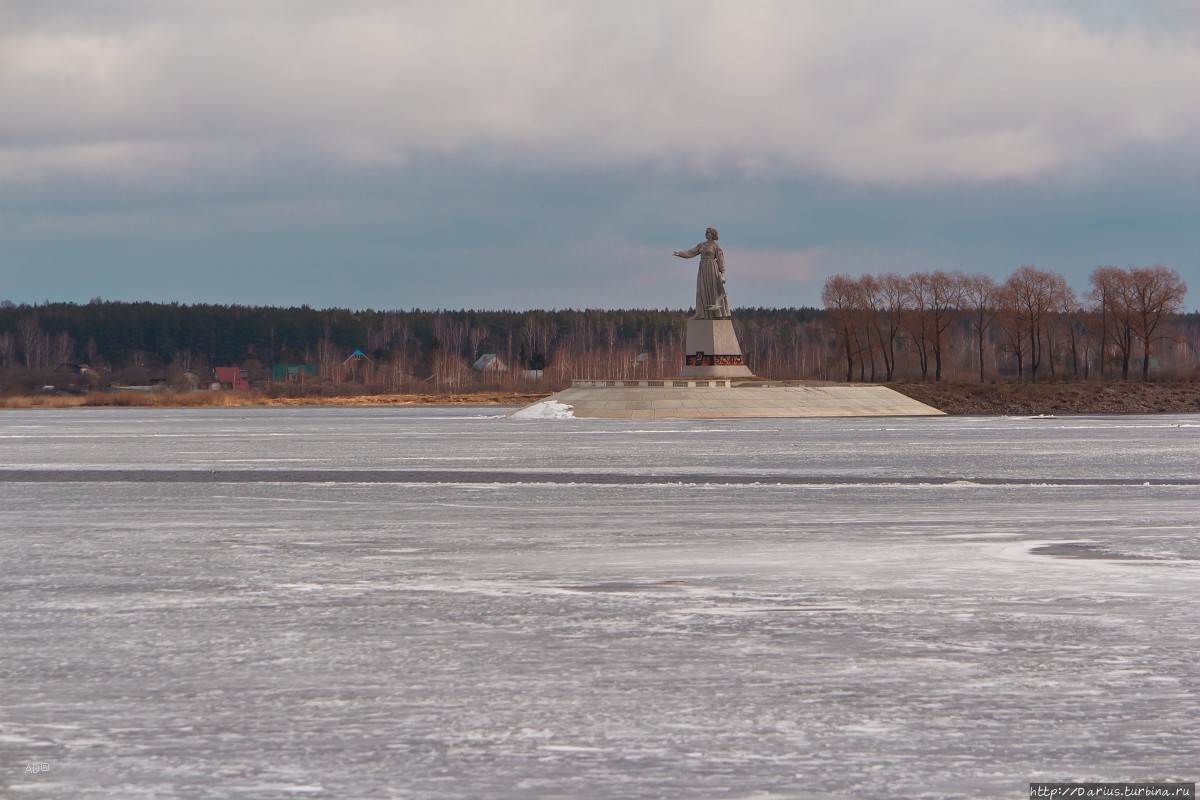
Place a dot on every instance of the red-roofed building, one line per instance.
(234, 378)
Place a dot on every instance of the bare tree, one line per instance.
(395, 329)
(32, 339)
(450, 331)
(1012, 325)
(980, 296)
(870, 297)
(1031, 294)
(840, 295)
(1154, 292)
(183, 359)
(8, 348)
(919, 317)
(1062, 303)
(944, 298)
(1109, 295)
(329, 360)
(1077, 331)
(890, 297)
(538, 334)
(610, 336)
(478, 334)
(64, 348)
(448, 368)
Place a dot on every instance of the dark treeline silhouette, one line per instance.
(180, 345)
(925, 326)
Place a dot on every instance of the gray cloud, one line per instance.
(860, 90)
(517, 150)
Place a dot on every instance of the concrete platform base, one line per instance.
(694, 398)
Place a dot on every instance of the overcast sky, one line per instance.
(552, 153)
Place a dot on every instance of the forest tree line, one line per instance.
(925, 326)
(1033, 321)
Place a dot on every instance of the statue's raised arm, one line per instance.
(711, 300)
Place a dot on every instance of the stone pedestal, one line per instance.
(712, 351)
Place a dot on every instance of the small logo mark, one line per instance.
(36, 768)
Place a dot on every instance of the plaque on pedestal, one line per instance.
(712, 350)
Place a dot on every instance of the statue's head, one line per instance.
(711, 235)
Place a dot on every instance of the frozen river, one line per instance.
(383, 603)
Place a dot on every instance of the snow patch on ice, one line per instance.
(16, 738)
(547, 409)
(568, 748)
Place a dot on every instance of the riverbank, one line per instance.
(959, 399)
(1030, 399)
(246, 399)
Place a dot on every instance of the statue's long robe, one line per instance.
(710, 281)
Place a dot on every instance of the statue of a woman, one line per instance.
(711, 301)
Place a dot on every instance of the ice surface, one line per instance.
(212, 603)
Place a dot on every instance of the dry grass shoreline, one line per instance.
(250, 399)
(956, 399)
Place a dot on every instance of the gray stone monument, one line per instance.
(709, 386)
(711, 349)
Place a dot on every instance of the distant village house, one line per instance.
(355, 366)
(231, 379)
(490, 363)
(292, 373)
